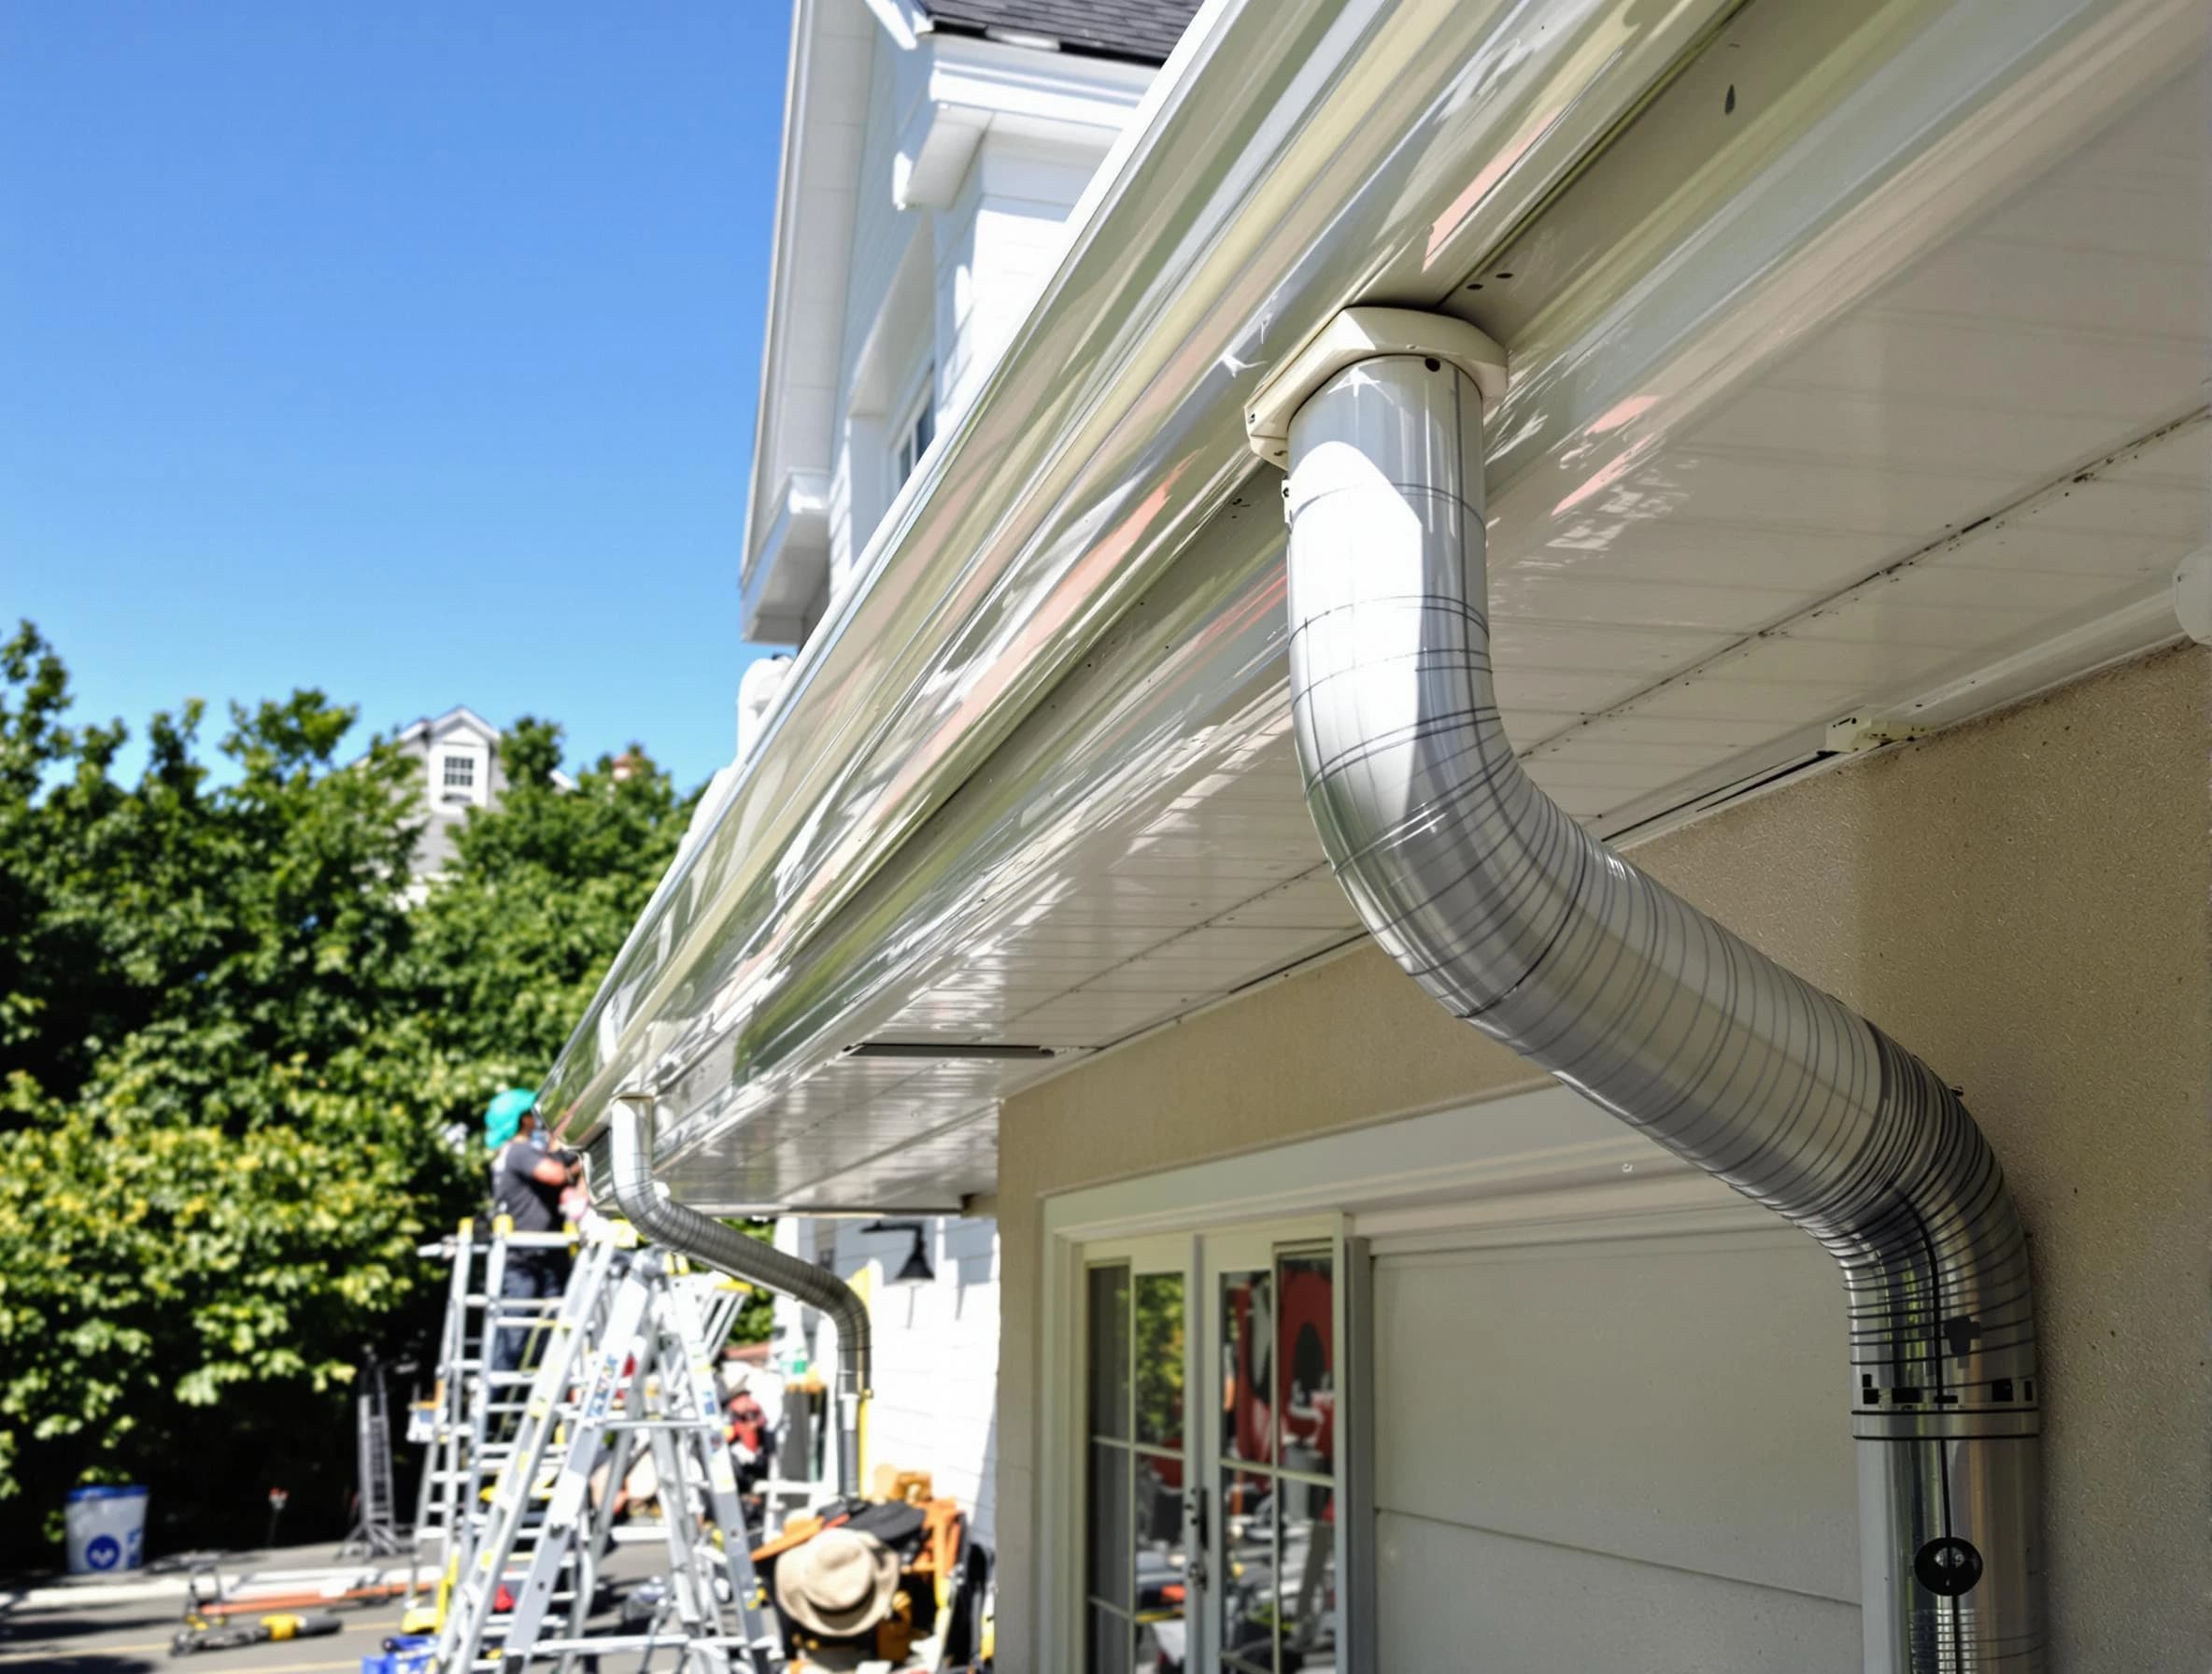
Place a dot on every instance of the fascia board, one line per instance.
(1001, 79)
(461, 713)
(793, 558)
(904, 21)
(958, 88)
(797, 196)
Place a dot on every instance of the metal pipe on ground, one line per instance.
(1515, 918)
(624, 1159)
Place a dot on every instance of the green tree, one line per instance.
(234, 1042)
(516, 932)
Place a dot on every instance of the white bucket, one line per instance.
(106, 1528)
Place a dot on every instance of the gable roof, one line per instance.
(430, 728)
(1143, 30)
(461, 715)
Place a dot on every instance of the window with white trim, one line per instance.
(911, 439)
(460, 774)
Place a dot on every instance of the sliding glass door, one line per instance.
(1211, 1474)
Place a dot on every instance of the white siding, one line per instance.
(443, 815)
(996, 248)
(880, 229)
(937, 1360)
(921, 287)
(880, 235)
(936, 1373)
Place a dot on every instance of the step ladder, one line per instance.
(627, 1366)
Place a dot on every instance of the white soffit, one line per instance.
(1998, 447)
(1976, 462)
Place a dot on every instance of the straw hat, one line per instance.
(839, 1583)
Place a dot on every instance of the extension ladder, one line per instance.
(468, 1400)
(376, 1528)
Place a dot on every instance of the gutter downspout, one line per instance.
(1515, 918)
(627, 1170)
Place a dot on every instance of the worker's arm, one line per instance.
(548, 1170)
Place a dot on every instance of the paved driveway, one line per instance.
(125, 1626)
(133, 1637)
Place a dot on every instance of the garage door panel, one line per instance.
(1456, 1598)
(1669, 1400)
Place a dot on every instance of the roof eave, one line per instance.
(1077, 475)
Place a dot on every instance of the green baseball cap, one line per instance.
(504, 1115)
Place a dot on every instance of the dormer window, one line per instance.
(459, 777)
(911, 438)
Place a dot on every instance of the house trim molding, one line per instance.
(958, 88)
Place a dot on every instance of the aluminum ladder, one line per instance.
(489, 1540)
(652, 1382)
(376, 1526)
(471, 1403)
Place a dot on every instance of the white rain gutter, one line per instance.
(1292, 157)
(992, 694)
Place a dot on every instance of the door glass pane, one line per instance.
(1162, 1648)
(1246, 1377)
(1248, 1571)
(1107, 1495)
(1159, 1359)
(1160, 1565)
(1306, 1587)
(1306, 1363)
(1109, 1643)
(1110, 1351)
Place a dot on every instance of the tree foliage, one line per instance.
(234, 1044)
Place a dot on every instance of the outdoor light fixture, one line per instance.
(984, 1050)
(918, 1269)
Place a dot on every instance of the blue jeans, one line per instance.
(531, 1273)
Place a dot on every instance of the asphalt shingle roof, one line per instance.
(1144, 30)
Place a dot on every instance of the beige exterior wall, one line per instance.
(2024, 902)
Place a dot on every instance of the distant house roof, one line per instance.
(431, 728)
(1143, 30)
(460, 715)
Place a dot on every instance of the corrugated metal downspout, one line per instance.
(1518, 920)
(626, 1164)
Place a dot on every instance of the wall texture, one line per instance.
(2024, 902)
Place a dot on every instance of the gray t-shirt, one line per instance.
(531, 1204)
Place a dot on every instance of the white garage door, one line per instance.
(1627, 1455)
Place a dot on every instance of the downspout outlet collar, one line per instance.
(1359, 335)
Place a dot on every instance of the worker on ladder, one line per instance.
(529, 1178)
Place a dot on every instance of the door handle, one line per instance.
(1197, 1547)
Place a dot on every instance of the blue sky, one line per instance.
(407, 350)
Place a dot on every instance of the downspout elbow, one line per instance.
(1516, 919)
(645, 1202)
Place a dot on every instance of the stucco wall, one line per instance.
(2024, 902)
